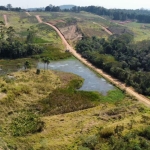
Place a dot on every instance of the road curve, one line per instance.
(114, 81)
(28, 13)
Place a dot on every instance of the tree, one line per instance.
(47, 62)
(27, 65)
(2, 31)
(10, 34)
(31, 35)
(9, 6)
(44, 61)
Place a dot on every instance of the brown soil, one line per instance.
(70, 33)
(104, 28)
(28, 13)
(5, 19)
(114, 81)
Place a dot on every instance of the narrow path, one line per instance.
(104, 28)
(120, 85)
(5, 19)
(28, 13)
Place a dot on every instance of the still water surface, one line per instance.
(92, 82)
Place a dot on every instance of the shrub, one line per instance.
(145, 133)
(106, 133)
(38, 71)
(25, 123)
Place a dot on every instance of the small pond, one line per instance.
(92, 82)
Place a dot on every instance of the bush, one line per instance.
(25, 123)
(106, 133)
(145, 133)
(38, 71)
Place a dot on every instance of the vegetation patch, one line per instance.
(26, 123)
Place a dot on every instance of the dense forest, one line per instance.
(12, 47)
(117, 56)
(141, 15)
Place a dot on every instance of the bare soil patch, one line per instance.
(5, 19)
(71, 33)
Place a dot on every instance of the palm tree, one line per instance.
(47, 62)
(44, 61)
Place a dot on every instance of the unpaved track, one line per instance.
(5, 19)
(104, 28)
(120, 85)
(28, 13)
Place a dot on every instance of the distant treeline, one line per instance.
(12, 9)
(141, 15)
(128, 62)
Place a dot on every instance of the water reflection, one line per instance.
(92, 81)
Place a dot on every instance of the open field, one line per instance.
(21, 22)
(141, 31)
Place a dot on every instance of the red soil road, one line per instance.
(5, 19)
(119, 84)
(28, 13)
(104, 28)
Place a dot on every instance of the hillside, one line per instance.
(43, 109)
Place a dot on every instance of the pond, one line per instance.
(92, 82)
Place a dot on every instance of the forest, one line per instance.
(140, 15)
(118, 56)
(12, 47)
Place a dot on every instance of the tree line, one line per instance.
(9, 7)
(12, 47)
(141, 15)
(128, 62)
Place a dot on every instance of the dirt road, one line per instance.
(120, 85)
(104, 28)
(5, 19)
(28, 13)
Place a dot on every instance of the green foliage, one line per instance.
(54, 53)
(145, 133)
(127, 62)
(109, 140)
(113, 96)
(106, 133)
(64, 100)
(27, 65)
(26, 123)
(38, 71)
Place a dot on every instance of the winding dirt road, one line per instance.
(28, 13)
(120, 85)
(104, 28)
(5, 19)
